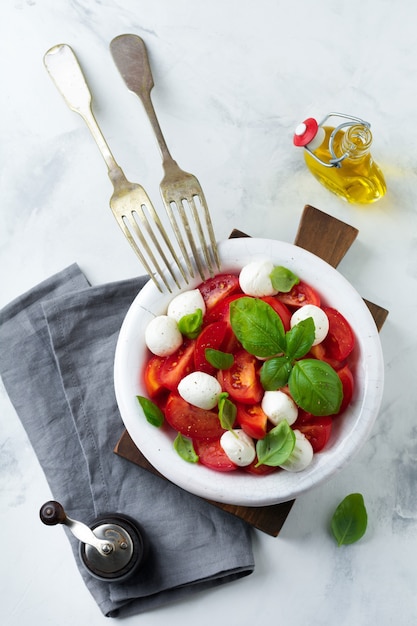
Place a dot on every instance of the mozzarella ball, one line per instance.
(278, 406)
(254, 279)
(200, 389)
(162, 336)
(238, 446)
(186, 303)
(301, 456)
(320, 319)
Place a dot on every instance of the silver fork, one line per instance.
(129, 202)
(179, 189)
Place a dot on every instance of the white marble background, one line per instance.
(233, 79)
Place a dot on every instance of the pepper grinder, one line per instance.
(111, 549)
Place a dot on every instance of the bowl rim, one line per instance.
(240, 488)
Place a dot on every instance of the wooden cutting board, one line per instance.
(330, 239)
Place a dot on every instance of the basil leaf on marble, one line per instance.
(350, 520)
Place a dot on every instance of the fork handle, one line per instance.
(131, 59)
(66, 73)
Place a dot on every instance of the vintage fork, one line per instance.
(129, 202)
(179, 189)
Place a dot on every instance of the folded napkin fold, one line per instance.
(57, 344)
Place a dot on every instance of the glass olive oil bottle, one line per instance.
(340, 158)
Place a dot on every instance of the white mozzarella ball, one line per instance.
(200, 389)
(254, 279)
(186, 303)
(278, 406)
(238, 446)
(162, 336)
(320, 319)
(301, 456)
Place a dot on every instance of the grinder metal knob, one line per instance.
(111, 549)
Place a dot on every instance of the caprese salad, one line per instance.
(249, 370)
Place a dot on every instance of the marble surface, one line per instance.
(233, 79)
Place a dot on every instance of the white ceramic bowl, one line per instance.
(349, 432)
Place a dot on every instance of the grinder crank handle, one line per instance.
(52, 513)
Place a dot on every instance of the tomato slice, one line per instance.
(211, 336)
(151, 376)
(280, 308)
(215, 289)
(220, 312)
(340, 339)
(300, 295)
(252, 420)
(348, 385)
(191, 421)
(242, 381)
(316, 429)
(319, 352)
(177, 365)
(211, 454)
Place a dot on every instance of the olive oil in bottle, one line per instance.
(340, 158)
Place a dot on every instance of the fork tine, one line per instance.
(127, 233)
(164, 235)
(201, 237)
(140, 213)
(178, 234)
(210, 229)
(186, 224)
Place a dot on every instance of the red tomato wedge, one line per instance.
(211, 336)
(319, 352)
(300, 295)
(221, 311)
(242, 381)
(215, 289)
(280, 308)
(340, 339)
(151, 376)
(211, 454)
(316, 429)
(177, 365)
(192, 421)
(348, 385)
(252, 420)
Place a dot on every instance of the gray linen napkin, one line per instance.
(57, 344)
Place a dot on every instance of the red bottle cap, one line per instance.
(305, 132)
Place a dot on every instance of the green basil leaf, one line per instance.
(349, 520)
(257, 326)
(152, 412)
(227, 411)
(300, 338)
(315, 387)
(184, 447)
(283, 279)
(277, 445)
(275, 372)
(190, 325)
(220, 360)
